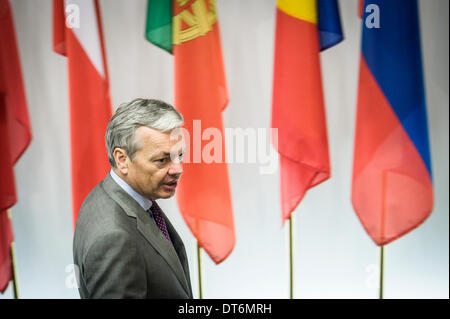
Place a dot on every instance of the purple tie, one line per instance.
(159, 219)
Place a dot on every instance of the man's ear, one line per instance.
(120, 157)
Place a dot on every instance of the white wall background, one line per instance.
(334, 257)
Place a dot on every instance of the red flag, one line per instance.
(303, 28)
(200, 95)
(15, 130)
(81, 41)
(204, 194)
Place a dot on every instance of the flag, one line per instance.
(303, 29)
(77, 34)
(189, 29)
(15, 132)
(392, 190)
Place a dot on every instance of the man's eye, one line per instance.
(161, 160)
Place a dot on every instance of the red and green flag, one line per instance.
(189, 30)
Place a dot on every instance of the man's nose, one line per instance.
(176, 168)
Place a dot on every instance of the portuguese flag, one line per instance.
(189, 30)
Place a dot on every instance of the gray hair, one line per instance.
(130, 116)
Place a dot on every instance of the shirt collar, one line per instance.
(144, 202)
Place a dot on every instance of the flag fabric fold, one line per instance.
(15, 130)
(159, 24)
(392, 190)
(329, 23)
(89, 100)
(203, 194)
(303, 29)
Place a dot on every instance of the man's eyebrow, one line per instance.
(161, 154)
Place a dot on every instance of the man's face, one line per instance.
(157, 165)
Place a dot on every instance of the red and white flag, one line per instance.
(77, 34)
(15, 132)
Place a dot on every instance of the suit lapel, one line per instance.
(148, 228)
(180, 249)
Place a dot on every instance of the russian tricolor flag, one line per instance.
(392, 190)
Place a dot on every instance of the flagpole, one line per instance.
(381, 271)
(14, 272)
(291, 259)
(13, 263)
(383, 223)
(199, 266)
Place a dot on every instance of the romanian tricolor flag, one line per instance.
(303, 29)
(189, 29)
(392, 190)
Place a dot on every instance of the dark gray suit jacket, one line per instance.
(121, 253)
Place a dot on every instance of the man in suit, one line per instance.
(124, 245)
